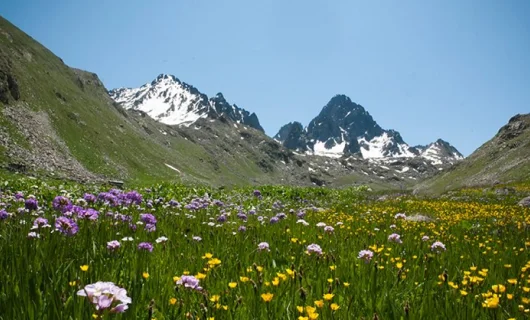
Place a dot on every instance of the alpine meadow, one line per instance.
(134, 194)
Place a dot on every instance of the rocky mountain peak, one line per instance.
(344, 127)
(174, 102)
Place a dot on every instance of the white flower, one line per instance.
(161, 239)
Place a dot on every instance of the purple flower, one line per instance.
(274, 220)
(263, 246)
(425, 238)
(400, 216)
(3, 214)
(394, 237)
(242, 229)
(189, 282)
(66, 226)
(221, 218)
(366, 255)
(314, 248)
(134, 197)
(31, 204)
(145, 246)
(300, 214)
(104, 294)
(61, 203)
(113, 245)
(252, 212)
(242, 216)
(150, 227)
(281, 216)
(40, 223)
(438, 247)
(257, 193)
(329, 229)
(19, 195)
(89, 198)
(148, 218)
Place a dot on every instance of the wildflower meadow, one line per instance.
(71, 251)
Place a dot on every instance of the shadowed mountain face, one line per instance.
(346, 128)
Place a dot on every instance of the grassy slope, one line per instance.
(505, 158)
(104, 139)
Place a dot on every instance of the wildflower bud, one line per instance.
(303, 294)
(406, 309)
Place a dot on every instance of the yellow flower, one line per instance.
(507, 266)
(84, 267)
(399, 265)
(186, 272)
(290, 272)
(328, 296)
(200, 276)
(526, 289)
(215, 298)
(312, 316)
(509, 296)
(300, 309)
(244, 279)
(330, 280)
(175, 279)
(259, 268)
(319, 303)
(214, 262)
(172, 301)
(303, 318)
(282, 276)
(346, 284)
(145, 275)
(267, 297)
(332, 268)
(72, 283)
(310, 309)
(463, 292)
(232, 285)
(334, 307)
(294, 240)
(275, 281)
(525, 300)
(473, 268)
(491, 303)
(207, 256)
(512, 281)
(498, 288)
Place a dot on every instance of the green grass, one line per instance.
(40, 277)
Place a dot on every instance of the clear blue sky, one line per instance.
(439, 68)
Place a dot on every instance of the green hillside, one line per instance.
(503, 159)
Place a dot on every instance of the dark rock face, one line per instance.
(8, 87)
(235, 113)
(293, 136)
(344, 122)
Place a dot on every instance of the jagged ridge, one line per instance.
(173, 102)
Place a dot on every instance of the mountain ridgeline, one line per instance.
(173, 102)
(346, 128)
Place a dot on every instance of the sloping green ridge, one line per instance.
(503, 159)
(102, 137)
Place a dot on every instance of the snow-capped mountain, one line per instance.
(344, 127)
(173, 102)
